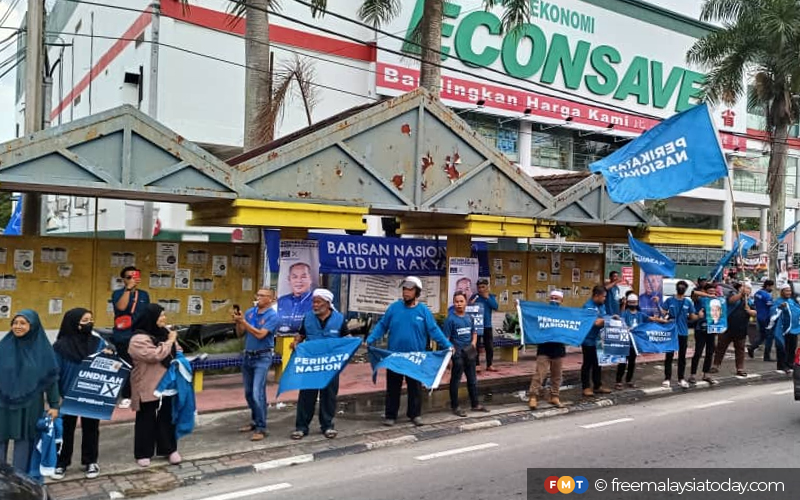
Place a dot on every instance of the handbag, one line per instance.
(125, 321)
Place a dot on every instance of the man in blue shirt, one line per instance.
(591, 376)
(129, 302)
(410, 325)
(258, 325)
(293, 306)
(612, 293)
(459, 328)
(549, 359)
(489, 303)
(679, 309)
(763, 301)
(322, 322)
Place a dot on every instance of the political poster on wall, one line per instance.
(94, 392)
(716, 314)
(462, 276)
(297, 279)
(373, 294)
(651, 287)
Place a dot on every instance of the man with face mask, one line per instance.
(409, 324)
(322, 322)
(739, 314)
(549, 359)
(702, 339)
(679, 309)
(632, 317)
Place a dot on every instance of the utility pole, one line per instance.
(148, 210)
(34, 104)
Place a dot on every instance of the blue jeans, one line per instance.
(254, 373)
(22, 454)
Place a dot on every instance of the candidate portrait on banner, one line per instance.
(651, 296)
(716, 314)
(297, 279)
(462, 276)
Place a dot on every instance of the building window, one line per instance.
(791, 176)
(750, 173)
(551, 150)
(497, 132)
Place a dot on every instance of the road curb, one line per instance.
(448, 428)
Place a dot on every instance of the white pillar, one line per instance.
(727, 217)
(524, 145)
(796, 248)
(763, 229)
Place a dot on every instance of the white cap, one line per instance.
(557, 293)
(632, 298)
(412, 282)
(323, 293)
(785, 286)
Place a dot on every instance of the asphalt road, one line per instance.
(753, 426)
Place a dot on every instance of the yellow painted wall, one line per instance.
(83, 277)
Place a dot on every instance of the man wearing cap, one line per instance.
(780, 324)
(489, 303)
(763, 301)
(322, 322)
(409, 324)
(549, 359)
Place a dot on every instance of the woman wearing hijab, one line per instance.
(28, 373)
(75, 342)
(152, 348)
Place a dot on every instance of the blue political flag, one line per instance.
(14, 226)
(655, 338)
(784, 318)
(542, 323)
(788, 230)
(95, 390)
(677, 155)
(745, 242)
(315, 363)
(651, 260)
(426, 367)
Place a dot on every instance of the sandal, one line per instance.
(741, 373)
(618, 386)
(710, 381)
(459, 412)
(480, 408)
(297, 435)
(331, 433)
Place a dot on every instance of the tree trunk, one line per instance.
(776, 180)
(431, 40)
(256, 77)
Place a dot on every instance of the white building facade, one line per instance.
(573, 85)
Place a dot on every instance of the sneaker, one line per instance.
(125, 404)
(59, 473)
(389, 422)
(683, 383)
(714, 369)
(92, 471)
(751, 351)
(666, 384)
(692, 380)
(257, 436)
(458, 412)
(175, 458)
(143, 462)
(417, 421)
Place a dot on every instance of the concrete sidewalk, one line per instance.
(216, 448)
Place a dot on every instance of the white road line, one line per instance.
(607, 422)
(283, 462)
(248, 493)
(456, 451)
(712, 404)
(781, 393)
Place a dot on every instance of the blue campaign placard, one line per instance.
(95, 390)
(716, 314)
(616, 337)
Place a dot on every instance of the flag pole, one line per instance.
(736, 223)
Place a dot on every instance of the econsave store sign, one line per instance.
(568, 46)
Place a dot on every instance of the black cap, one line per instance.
(483, 281)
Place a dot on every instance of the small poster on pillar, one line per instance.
(297, 279)
(462, 275)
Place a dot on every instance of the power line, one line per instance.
(7, 71)
(11, 7)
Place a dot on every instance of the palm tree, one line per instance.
(759, 39)
(427, 35)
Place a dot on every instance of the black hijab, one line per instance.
(71, 343)
(146, 323)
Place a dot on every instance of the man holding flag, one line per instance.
(549, 359)
(591, 376)
(409, 324)
(322, 322)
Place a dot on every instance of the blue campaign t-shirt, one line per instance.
(292, 310)
(594, 334)
(489, 304)
(459, 330)
(612, 300)
(763, 300)
(633, 319)
(409, 328)
(142, 299)
(679, 311)
(267, 319)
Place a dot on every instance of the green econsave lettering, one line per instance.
(690, 90)
(636, 81)
(601, 60)
(466, 33)
(510, 51)
(663, 93)
(559, 56)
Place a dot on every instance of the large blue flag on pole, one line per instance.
(745, 242)
(426, 367)
(788, 230)
(14, 226)
(677, 155)
(542, 323)
(651, 260)
(315, 363)
(655, 338)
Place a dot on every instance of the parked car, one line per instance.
(17, 486)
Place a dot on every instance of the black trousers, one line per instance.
(786, 352)
(487, 339)
(122, 352)
(461, 366)
(703, 341)
(90, 440)
(683, 344)
(590, 369)
(153, 432)
(630, 364)
(394, 385)
(307, 402)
